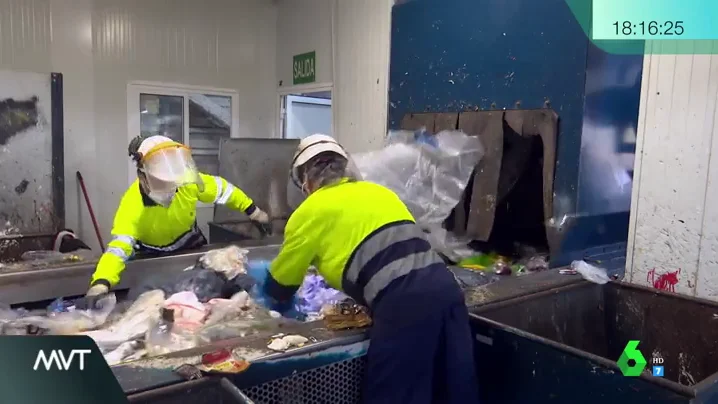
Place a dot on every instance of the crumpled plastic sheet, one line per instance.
(591, 273)
(189, 312)
(227, 309)
(126, 351)
(206, 284)
(59, 305)
(230, 261)
(219, 273)
(315, 293)
(73, 322)
(161, 341)
(132, 324)
(429, 174)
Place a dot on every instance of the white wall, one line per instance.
(304, 26)
(362, 39)
(674, 211)
(356, 35)
(100, 45)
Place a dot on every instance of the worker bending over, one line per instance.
(157, 214)
(363, 240)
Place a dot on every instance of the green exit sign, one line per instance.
(304, 68)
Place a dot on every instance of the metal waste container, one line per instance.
(562, 346)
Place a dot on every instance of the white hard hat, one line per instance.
(152, 141)
(313, 145)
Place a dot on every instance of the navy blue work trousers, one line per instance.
(429, 361)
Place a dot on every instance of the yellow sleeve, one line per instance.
(124, 237)
(219, 191)
(301, 237)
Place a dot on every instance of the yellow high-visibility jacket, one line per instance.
(141, 224)
(359, 235)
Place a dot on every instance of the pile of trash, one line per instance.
(495, 264)
(207, 302)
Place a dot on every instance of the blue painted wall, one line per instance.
(458, 55)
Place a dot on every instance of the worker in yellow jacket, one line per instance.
(157, 214)
(364, 241)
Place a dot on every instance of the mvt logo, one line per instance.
(60, 360)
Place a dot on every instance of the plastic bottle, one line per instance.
(159, 337)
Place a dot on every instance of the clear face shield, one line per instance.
(166, 168)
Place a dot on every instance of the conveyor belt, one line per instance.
(153, 373)
(32, 285)
(150, 373)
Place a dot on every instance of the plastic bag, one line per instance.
(165, 337)
(226, 309)
(315, 293)
(42, 255)
(72, 322)
(429, 174)
(123, 352)
(229, 261)
(219, 273)
(189, 313)
(591, 273)
(133, 324)
(430, 177)
(7, 314)
(206, 284)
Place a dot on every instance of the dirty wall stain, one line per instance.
(22, 187)
(16, 116)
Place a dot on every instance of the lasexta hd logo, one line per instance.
(631, 361)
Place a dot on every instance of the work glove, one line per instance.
(259, 270)
(93, 295)
(260, 219)
(286, 309)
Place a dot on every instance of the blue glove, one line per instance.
(286, 309)
(259, 270)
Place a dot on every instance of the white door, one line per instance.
(308, 115)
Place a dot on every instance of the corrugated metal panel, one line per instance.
(362, 32)
(673, 240)
(25, 34)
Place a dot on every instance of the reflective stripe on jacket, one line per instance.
(140, 224)
(389, 253)
(359, 235)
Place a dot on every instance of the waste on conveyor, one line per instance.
(207, 302)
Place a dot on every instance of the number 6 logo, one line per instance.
(631, 352)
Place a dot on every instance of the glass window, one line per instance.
(303, 114)
(210, 121)
(162, 115)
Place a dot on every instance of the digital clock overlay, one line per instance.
(649, 26)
